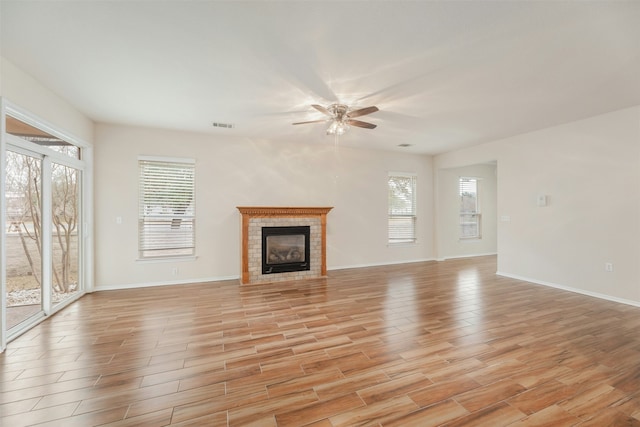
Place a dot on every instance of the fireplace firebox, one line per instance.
(285, 249)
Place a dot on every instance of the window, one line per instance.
(469, 209)
(402, 208)
(167, 208)
(40, 137)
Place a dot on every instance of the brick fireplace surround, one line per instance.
(254, 218)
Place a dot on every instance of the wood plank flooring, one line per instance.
(425, 344)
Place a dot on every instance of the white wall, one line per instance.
(448, 243)
(233, 172)
(590, 171)
(27, 93)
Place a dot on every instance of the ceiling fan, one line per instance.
(341, 118)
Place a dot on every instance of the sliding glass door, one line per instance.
(43, 265)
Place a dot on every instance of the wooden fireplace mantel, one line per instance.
(248, 212)
(262, 211)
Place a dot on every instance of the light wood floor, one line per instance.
(422, 344)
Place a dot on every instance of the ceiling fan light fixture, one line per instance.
(337, 128)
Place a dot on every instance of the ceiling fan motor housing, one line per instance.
(339, 111)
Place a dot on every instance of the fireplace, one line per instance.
(293, 257)
(285, 249)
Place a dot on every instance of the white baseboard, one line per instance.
(466, 256)
(571, 289)
(344, 267)
(163, 283)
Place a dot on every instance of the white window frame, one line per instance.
(474, 213)
(395, 236)
(150, 251)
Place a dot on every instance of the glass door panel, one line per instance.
(65, 199)
(23, 228)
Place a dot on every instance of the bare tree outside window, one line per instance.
(65, 218)
(23, 228)
(24, 225)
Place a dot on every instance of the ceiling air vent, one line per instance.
(404, 145)
(223, 125)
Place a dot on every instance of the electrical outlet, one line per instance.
(174, 271)
(608, 267)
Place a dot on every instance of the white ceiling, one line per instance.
(445, 74)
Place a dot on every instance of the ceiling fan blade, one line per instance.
(311, 121)
(362, 112)
(360, 124)
(322, 109)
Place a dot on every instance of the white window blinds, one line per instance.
(402, 208)
(469, 209)
(167, 208)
